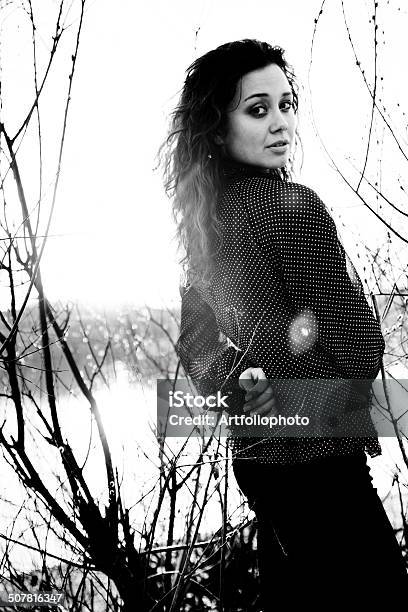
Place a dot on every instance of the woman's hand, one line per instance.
(259, 398)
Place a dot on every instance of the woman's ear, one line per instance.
(218, 140)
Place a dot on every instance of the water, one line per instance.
(128, 412)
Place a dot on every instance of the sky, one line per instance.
(112, 236)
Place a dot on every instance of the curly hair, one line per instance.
(190, 157)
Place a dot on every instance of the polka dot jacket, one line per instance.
(286, 298)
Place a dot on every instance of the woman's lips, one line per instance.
(279, 148)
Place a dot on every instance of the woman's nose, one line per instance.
(278, 122)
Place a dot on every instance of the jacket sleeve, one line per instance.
(294, 222)
(204, 352)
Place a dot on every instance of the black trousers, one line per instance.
(324, 538)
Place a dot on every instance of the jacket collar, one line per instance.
(235, 170)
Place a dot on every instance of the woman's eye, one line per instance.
(288, 105)
(259, 111)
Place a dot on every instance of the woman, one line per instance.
(266, 271)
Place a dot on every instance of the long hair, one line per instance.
(190, 157)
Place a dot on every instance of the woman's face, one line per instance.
(260, 117)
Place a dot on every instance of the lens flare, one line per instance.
(303, 332)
